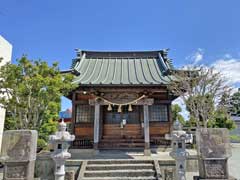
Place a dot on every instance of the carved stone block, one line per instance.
(19, 145)
(214, 150)
(213, 143)
(19, 170)
(69, 175)
(215, 169)
(19, 154)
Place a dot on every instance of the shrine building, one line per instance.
(121, 100)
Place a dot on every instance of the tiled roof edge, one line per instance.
(122, 54)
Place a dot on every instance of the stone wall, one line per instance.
(44, 166)
(6, 54)
(168, 167)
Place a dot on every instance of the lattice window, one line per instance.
(115, 117)
(132, 117)
(84, 113)
(158, 113)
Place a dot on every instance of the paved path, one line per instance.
(234, 161)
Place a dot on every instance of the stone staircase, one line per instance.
(118, 170)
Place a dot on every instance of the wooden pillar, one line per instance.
(170, 120)
(147, 150)
(96, 125)
(73, 112)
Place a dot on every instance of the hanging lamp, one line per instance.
(130, 107)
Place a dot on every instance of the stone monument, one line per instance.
(19, 154)
(61, 142)
(179, 153)
(213, 150)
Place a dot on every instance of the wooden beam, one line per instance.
(161, 101)
(147, 101)
(81, 102)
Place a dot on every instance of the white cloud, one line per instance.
(229, 68)
(227, 56)
(184, 112)
(196, 57)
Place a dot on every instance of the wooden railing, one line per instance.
(160, 141)
(82, 144)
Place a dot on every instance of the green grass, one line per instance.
(235, 138)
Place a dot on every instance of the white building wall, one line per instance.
(6, 54)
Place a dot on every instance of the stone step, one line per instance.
(120, 173)
(120, 178)
(97, 167)
(121, 161)
(120, 140)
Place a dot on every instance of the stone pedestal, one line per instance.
(213, 168)
(213, 150)
(19, 154)
(147, 152)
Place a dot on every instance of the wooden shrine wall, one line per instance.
(157, 129)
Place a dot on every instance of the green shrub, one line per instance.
(41, 143)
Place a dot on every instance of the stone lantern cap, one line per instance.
(177, 132)
(62, 135)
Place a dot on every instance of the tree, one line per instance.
(200, 88)
(234, 104)
(176, 109)
(45, 130)
(221, 119)
(205, 99)
(32, 92)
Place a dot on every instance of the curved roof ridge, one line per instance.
(122, 51)
(121, 54)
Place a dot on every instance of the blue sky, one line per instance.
(206, 31)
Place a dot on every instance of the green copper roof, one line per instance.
(122, 68)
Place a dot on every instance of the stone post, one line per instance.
(19, 154)
(61, 142)
(147, 150)
(179, 153)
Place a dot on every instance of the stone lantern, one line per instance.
(179, 153)
(61, 142)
